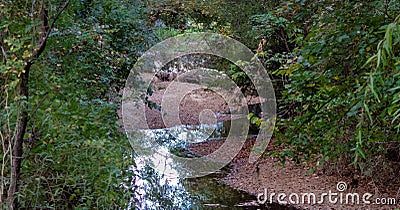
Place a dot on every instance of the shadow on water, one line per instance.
(157, 191)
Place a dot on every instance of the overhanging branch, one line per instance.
(42, 43)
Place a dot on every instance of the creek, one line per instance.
(155, 190)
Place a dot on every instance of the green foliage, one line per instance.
(339, 62)
(227, 17)
(279, 31)
(18, 39)
(165, 33)
(238, 76)
(343, 97)
(74, 154)
(387, 65)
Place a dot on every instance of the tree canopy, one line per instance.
(63, 64)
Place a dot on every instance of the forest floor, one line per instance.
(268, 173)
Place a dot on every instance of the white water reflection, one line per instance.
(155, 189)
(176, 139)
(167, 140)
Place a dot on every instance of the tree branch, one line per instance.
(42, 43)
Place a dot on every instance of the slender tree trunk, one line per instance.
(17, 149)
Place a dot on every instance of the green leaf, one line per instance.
(369, 60)
(254, 120)
(368, 112)
(360, 151)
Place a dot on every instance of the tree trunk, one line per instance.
(17, 149)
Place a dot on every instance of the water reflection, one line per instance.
(157, 190)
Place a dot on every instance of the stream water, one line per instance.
(155, 190)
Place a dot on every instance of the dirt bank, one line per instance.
(268, 173)
(191, 106)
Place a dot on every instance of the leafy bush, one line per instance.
(341, 94)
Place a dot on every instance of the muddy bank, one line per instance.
(200, 106)
(268, 174)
